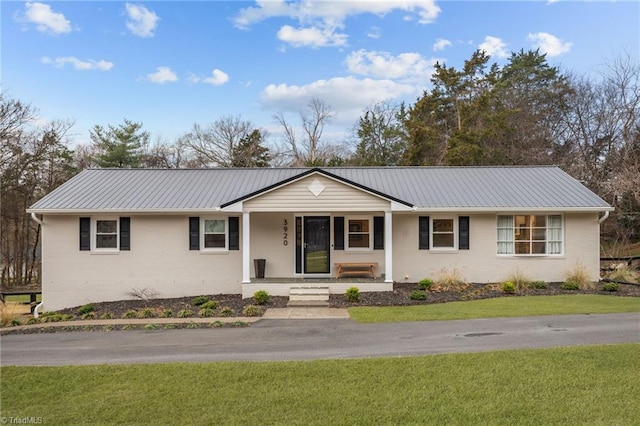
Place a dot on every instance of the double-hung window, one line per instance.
(214, 234)
(443, 235)
(359, 233)
(107, 234)
(530, 234)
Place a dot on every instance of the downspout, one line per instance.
(37, 220)
(603, 218)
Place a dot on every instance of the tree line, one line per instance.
(525, 112)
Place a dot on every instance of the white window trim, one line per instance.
(546, 254)
(224, 249)
(455, 233)
(346, 233)
(94, 235)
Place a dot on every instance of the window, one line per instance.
(359, 235)
(443, 235)
(106, 234)
(530, 234)
(215, 234)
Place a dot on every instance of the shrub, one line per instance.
(352, 294)
(85, 309)
(130, 314)
(580, 277)
(197, 301)
(169, 326)
(55, 317)
(185, 313)
(206, 313)
(33, 321)
(166, 313)
(261, 297)
(9, 312)
(251, 311)
(88, 316)
(216, 324)
(425, 284)
(450, 280)
(226, 311)
(610, 287)
(625, 274)
(239, 324)
(539, 284)
(519, 280)
(193, 325)
(106, 315)
(150, 326)
(570, 285)
(209, 304)
(508, 287)
(418, 295)
(146, 313)
(15, 322)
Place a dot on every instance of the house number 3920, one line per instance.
(285, 232)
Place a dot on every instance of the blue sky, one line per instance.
(170, 64)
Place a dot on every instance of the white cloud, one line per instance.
(384, 65)
(441, 44)
(217, 78)
(46, 20)
(346, 95)
(319, 20)
(142, 22)
(78, 64)
(494, 47)
(374, 32)
(162, 75)
(549, 44)
(312, 37)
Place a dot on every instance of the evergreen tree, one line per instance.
(119, 147)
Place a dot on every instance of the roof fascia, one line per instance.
(514, 209)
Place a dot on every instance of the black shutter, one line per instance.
(234, 233)
(463, 232)
(194, 233)
(85, 233)
(378, 233)
(125, 233)
(338, 233)
(423, 231)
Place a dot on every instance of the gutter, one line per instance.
(603, 218)
(37, 220)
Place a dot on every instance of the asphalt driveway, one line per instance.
(290, 339)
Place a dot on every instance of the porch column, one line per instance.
(388, 247)
(246, 249)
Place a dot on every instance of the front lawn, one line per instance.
(577, 385)
(499, 307)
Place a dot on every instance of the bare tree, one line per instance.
(308, 149)
(215, 144)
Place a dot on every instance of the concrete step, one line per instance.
(307, 303)
(308, 294)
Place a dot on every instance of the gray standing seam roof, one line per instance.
(421, 187)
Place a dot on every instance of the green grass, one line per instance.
(22, 298)
(500, 307)
(580, 385)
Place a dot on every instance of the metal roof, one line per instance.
(425, 188)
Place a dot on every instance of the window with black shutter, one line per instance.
(423, 232)
(378, 233)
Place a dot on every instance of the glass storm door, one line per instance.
(316, 244)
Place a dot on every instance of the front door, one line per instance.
(316, 244)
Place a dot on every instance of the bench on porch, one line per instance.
(355, 268)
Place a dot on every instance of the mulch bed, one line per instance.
(398, 297)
